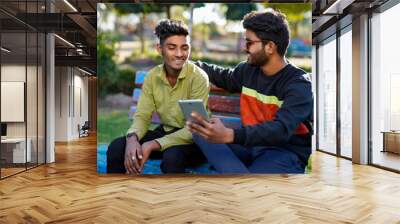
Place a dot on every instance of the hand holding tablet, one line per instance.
(195, 105)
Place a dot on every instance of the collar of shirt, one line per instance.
(163, 76)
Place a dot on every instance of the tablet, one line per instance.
(195, 105)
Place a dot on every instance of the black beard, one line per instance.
(258, 59)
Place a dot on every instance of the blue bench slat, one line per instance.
(229, 119)
(132, 111)
(136, 94)
(139, 78)
(229, 122)
(102, 158)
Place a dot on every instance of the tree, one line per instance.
(294, 13)
(142, 10)
(236, 12)
(193, 6)
(107, 69)
(201, 32)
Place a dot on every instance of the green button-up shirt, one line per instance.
(158, 95)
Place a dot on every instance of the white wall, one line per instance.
(71, 94)
(61, 103)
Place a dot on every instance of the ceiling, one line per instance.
(74, 22)
(329, 14)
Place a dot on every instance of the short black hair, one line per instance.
(166, 28)
(269, 25)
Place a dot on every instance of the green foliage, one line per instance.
(125, 82)
(107, 69)
(198, 5)
(201, 31)
(177, 13)
(152, 55)
(123, 9)
(155, 57)
(306, 69)
(309, 165)
(293, 11)
(110, 78)
(146, 8)
(236, 11)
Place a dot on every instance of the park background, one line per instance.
(126, 44)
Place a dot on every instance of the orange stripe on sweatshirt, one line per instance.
(256, 108)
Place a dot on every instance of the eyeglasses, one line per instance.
(251, 42)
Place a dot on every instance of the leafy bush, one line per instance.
(107, 69)
(125, 82)
(111, 79)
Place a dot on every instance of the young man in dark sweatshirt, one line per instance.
(276, 106)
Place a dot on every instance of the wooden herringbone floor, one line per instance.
(70, 191)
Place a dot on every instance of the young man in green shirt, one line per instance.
(175, 79)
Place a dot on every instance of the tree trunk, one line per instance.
(141, 33)
(203, 41)
(168, 8)
(238, 47)
(295, 30)
(191, 18)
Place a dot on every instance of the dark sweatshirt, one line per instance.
(276, 111)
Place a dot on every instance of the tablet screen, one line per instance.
(189, 106)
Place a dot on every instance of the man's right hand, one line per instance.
(133, 153)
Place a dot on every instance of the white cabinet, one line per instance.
(17, 146)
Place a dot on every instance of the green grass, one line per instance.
(111, 124)
(309, 165)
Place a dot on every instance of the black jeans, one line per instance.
(174, 159)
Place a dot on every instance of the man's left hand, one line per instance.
(147, 148)
(213, 130)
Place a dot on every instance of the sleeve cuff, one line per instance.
(164, 143)
(137, 132)
(239, 136)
